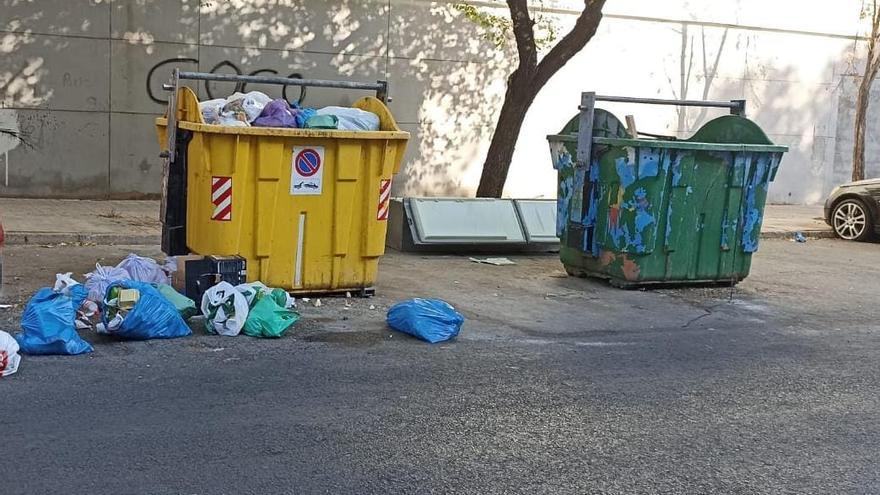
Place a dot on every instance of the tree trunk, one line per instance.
(517, 100)
(858, 169)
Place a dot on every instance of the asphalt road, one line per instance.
(556, 385)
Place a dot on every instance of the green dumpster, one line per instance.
(642, 212)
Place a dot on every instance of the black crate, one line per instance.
(207, 272)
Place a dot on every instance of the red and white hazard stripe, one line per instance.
(384, 199)
(221, 197)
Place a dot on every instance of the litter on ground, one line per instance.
(494, 261)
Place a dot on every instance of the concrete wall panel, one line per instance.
(135, 166)
(55, 72)
(148, 21)
(90, 18)
(134, 63)
(64, 154)
(342, 26)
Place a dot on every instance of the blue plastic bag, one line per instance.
(152, 317)
(47, 323)
(431, 320)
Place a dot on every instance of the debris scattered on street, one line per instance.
(800, 237)
(494, 261)
(317, 303)
(9, 357)
(431, 320)
(372, 306)
(7, 306)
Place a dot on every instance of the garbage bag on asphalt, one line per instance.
(98, 280)
(185, 306)
(431, 320)
(225, 309)
(151, 316)
(352, 119)
(250, 290)
(269, 316)
(141, 269)
(47, 323)
(9, 357)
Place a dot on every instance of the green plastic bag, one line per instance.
(267, 318)
(184, 305)
(323, 122)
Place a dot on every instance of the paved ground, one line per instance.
(556, 385)
(51, 221)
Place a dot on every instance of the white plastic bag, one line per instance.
(225, 309)
(352, 119)
(250, 290)
(98, 280)
(9, 357)
(252, 104)
(211, 110)
(63, 283)
(142, 269)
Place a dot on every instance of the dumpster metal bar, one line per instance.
(587, 108)
(380, 87)
(737, 107)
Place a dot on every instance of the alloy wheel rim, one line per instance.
(849, 221)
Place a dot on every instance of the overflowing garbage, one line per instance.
(139, 299)
(258, 110)
(431, 320)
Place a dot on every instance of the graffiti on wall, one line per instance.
(156, 76)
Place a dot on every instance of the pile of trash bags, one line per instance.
(135, 301)
(257, 109)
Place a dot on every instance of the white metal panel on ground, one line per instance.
(538, 217)
(466, 221)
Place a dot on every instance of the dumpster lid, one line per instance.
(466, 221)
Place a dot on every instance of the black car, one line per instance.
(853, 210)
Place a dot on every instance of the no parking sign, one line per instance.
(307, 171)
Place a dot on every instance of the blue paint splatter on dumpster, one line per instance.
(756, 172)
(626, 171)
(649, 164)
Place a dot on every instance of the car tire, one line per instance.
(852, 221)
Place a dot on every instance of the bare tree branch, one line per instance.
(524, 33)
(583, 30)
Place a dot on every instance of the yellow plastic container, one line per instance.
(306, 207)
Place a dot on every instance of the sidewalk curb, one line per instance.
(809, 234)
(48, 238)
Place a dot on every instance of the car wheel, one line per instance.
(851, 221)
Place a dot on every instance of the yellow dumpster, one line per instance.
(307, 208)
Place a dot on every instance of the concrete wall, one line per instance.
(80, 80)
